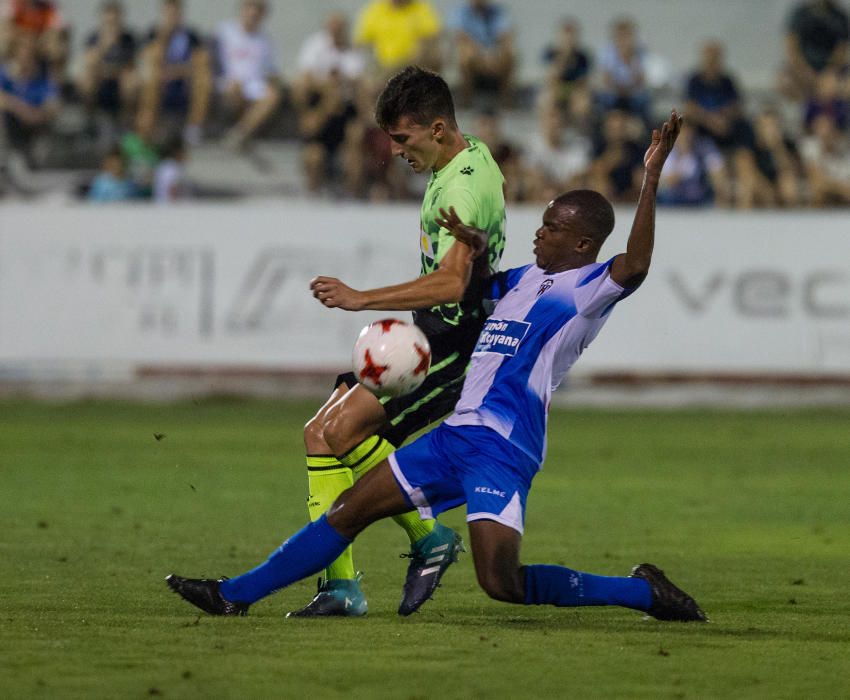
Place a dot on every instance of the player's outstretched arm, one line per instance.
(446, 285)
(631, 268)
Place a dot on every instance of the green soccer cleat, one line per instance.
(335, 598)
(429, 559)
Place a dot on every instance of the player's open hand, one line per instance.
(473, 237)
(334, 294)
(662, 143)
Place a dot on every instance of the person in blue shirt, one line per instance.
(487, 452)
(111, 184)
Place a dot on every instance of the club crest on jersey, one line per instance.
(546, 285)
(425, 245)
(502, 337)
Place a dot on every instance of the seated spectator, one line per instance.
(485, 45)
(713, 104)
(816, 40)
(770, 175)
(329, 51)
(826, 155)
(111, 183)
(400, 32)
(829, 97)
(108, 82)
(557, 157)
(623, 65)
(169, 181)
(569, 63)
(176, 76)
(42, 20)
(368, 167)
(506, 154)
(29, 100)
(694, 173)
(247, 82)
(140, 158)
(323, 115)
(617, 167)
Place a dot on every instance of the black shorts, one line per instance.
(408, 414)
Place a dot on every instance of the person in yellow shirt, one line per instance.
(400, 32)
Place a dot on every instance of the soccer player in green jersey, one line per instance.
(354, 431)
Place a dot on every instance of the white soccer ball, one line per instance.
(391, 357)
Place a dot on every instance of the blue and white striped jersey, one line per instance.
(538, 329)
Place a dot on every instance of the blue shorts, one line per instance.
(453, 465)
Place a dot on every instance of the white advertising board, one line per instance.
(220, 287)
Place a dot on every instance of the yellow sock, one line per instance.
(327, 479)
(371, 452)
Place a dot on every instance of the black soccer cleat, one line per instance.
(429, 560)
(204, 593)
(669, 602)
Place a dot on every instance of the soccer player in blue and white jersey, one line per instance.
(488, 451)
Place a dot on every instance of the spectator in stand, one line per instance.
(485, 46)
(623, 65)
(330, 51)
(108, 82)
(169, 182)
(693, 175)
(826, 154)
(177, 77)
(112, 184)
(617, 167)
(323, 94)
(569, 63)
(368, 166)
(42, 20)
(141, 158)
(713, 105)
(770, 175)
(506, 154)
(322, 120)
(248, 82)
(816, 40)
(830, 97)
(557, 158)
(400, 32)
(29, 100)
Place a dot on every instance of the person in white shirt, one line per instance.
(247, 80)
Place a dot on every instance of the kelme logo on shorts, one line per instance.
(502, 337)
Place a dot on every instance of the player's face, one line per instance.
(414, 143)
(557, 239)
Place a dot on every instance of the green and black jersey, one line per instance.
(473, 184)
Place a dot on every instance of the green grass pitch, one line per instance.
(750, 512)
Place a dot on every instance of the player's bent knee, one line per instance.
(314, 441)
(501, 587)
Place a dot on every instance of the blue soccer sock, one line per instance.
(557, 585)
(307, 552)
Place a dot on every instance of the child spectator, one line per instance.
(826, 154)
(484, 39)
(111, 183)
(169, 182)
(829, 98)
(247, 82)
(177, 76)
(108, 82)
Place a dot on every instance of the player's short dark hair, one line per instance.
(593, 209)
(418, 94)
